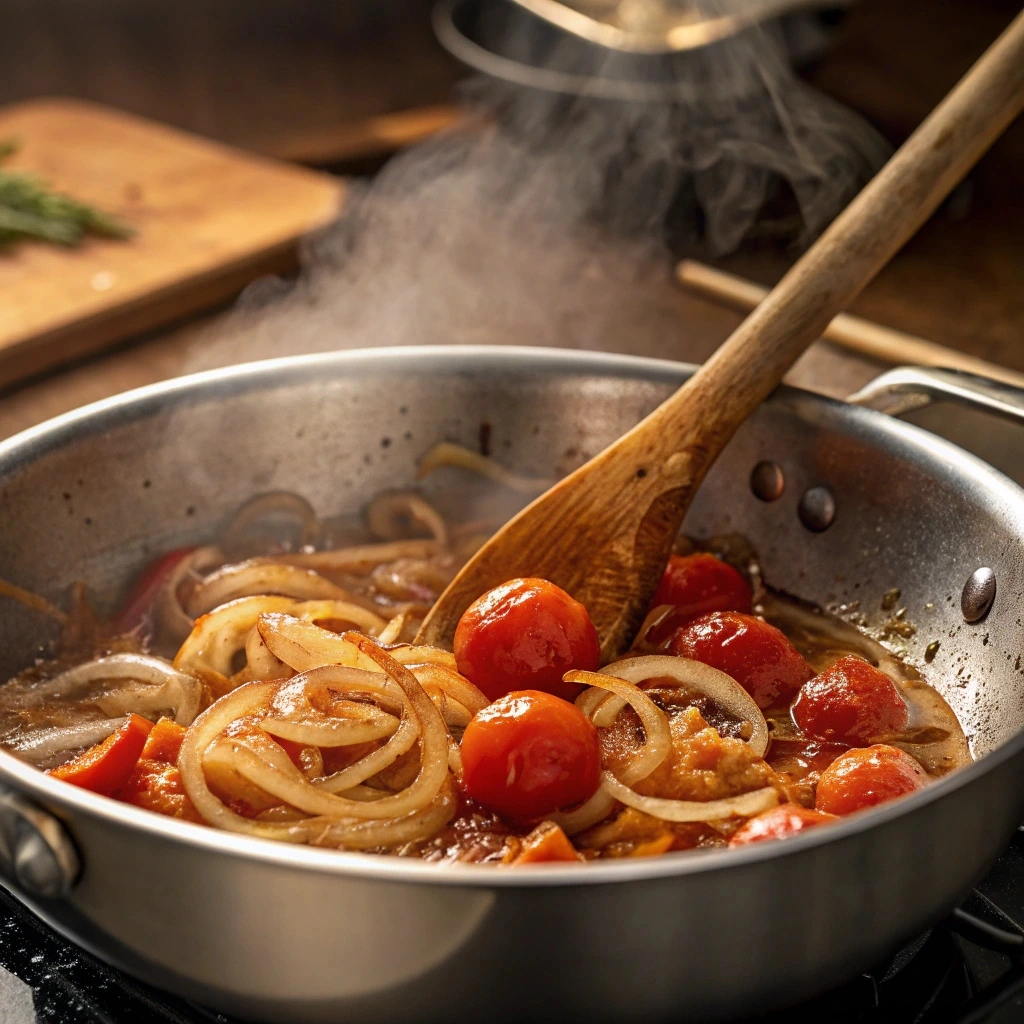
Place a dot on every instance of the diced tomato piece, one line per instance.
(700, 583)
(852, 702)
(757, 655)
(156, 785)
(779, 823)
(106, 766)
(546, 843)
(164, 742)
(139, 602)
(529, 755)
(525, 635)
(866, 777)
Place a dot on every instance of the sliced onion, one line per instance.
(657, 735)
(419, 825)
(260, 663)
(32, 600)
(273, 504)
(448, 454)
(242, 701)
(354, 823)
(45, 745)
(456, 686)
(389, 694)
(391, 516)
(696, 676)
(302, 645)
(455, 715)
(256, 577)
(364, 558)
(393, 630)
(745, 805)
(293, 717)
(159, 687)
(219, 635)
(423, 654)
(169, 616)
(656, 747)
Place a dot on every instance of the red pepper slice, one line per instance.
(140, 598)
(106, 766)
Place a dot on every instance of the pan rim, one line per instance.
(27, 446)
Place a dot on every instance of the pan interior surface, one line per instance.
(96, 495)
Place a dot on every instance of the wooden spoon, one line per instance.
(605, 532)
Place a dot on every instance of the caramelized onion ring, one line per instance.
(301, 645)
(362, 559)
(716, 685)
(448, 454)
(656, 746)
(293, 717)
(393, 630)
(169, 615)
(43, 745)
(745, 805)
(427, 798)
(657, 735)
(390, 515)
(259, 577)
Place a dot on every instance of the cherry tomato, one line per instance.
(106, 766)
(851, 702)
(867, 776)
(758, 656)
(525, 634)
(530, 754)
(140, 598)
(701, 583)
(780, 823)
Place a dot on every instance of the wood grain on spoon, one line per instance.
(605, 531)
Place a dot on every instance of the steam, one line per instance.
(553, 219)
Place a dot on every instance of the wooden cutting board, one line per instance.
(208, 218)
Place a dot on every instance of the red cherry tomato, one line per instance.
(851, 702)
(530, 754)
(700, 583)
(780, 823)
(140, 598)
(525, 635)
(758, 656)
(107, 766)
(867, 776)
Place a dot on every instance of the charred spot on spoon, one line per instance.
(978, 594)
(767, 481)
(641, 473)
(817, 508)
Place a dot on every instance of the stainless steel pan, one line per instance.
(294, 934)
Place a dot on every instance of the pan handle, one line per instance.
(35, 851)
(912, 387)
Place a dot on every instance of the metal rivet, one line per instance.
(817, 509)
(767, 481)
(978, 594)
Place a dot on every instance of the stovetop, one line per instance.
(968, 970)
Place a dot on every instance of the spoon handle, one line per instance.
(752, 362)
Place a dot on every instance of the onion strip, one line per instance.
(745, 805)
(259, 578)
(703, 679)
(448, 454)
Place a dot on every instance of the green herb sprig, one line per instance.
(30, 209)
